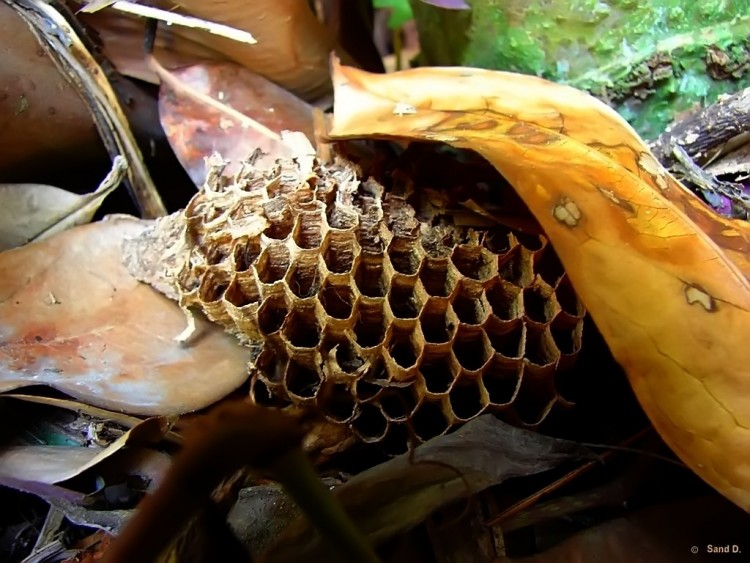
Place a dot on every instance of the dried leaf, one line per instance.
(399, 494)
(96, 5)
(73, 318)
(642, 536)
(37, 99)
(35, 211)
(671, 300)
(197, 130)
(53, 464)
(292, 48)
(28, 209)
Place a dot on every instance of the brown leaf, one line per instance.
(53, 464)
(196, 130)
(397, 495)
(670, 302)
(73, 318)
(35, 99)
(292, 45)
(642, 536)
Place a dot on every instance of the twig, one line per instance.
(173, 18)
(708, 132)
(708, 183)
(181, 88)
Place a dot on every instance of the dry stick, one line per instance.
(181, 88)
(173, 18)
(577, 472)
(706, 132)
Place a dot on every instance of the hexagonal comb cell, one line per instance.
(305, 277)
(438, 278)
(471, 307)
(498, 241)
(381, 322)
(340, 253)
(505, 300)
(404, 350)
(280, 218)
(337, 300)
(404, 255)
(404, 301)
(438, 325)
(246, 252)
(472, 350)
(242, 293)
(370, 424)
(370, 276)
(309, 230)
(370, 326)
(302, 329)
(438, 373)
(468, 399)
(539, 303)
(474, 262)
(337, 402)
(213, 285)
(430, 421)
(273, 263)
(272, 313)
(398, 403)
(302, 382)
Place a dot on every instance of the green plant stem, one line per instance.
(301, 482)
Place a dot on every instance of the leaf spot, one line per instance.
(610, 195)
(567, 212)
(403, 108)
(696, 294)
(650, 165)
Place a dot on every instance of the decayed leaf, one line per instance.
(36, 211)
(28, 209)
(668, 298)
(292, 45)
(37, 99)
(72, 317)
(52, 464)
(642, 536)
(399, 494)
(197, 130)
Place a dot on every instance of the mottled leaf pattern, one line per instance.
(663, 277)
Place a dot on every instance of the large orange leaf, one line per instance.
(671, 299)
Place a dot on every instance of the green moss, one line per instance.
(647, 56)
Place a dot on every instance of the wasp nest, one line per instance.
(354, 305)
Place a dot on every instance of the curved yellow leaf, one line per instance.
(672, 300)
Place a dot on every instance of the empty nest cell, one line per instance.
(438, 277)
(370, 276)
(305, 277)
(273, 263)
(309, 229)
(340, 252)
(302, 328)
(437, 322)
(474, 262)
(272, 314)
(424, 328)
(404, 256)
(337, 300)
